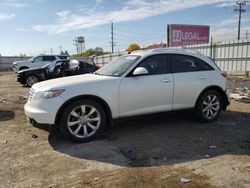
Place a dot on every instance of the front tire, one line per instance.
(83, 120)
(208, 106)
(31, 80)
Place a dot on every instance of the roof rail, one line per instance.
(175, 49)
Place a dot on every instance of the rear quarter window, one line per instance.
(185, 63)
(49, 58)
(203, 66)
(63, 57)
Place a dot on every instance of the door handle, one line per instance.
(166, 80)
(203, 77)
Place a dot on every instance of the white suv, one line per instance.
(37, 62)
(142, 82)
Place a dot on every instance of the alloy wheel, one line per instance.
(31, 80)
(84, 121)
(211, 106)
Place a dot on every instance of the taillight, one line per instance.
(224, 74)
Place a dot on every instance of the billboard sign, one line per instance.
(183, 35)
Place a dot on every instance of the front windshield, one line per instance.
(118, 66)
(31, 59)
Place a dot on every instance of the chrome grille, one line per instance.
(31, 94)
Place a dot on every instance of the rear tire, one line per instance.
(208, 106)
(82, 120)
(57, 71)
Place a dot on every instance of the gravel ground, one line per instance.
(150, 151)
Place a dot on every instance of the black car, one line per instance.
(62, 68)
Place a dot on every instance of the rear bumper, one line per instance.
(226, 99)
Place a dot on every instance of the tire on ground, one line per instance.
(63, 122)
(200, 106)
(35, 80)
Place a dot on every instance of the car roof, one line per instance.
(52, 55)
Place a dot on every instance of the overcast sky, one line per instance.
(33, 26)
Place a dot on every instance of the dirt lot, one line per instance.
(152, 151)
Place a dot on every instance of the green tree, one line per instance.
(90, 52)
(132, 47)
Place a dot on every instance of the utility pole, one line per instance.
(241, 8)
(51, 51)
(246, 34)
(112, 37)
(60, 48)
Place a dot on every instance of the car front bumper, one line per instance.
(43, 111)
(21, 79)
(14, 68)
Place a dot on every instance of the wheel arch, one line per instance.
(34, 74)
(220, 91)
(99, 100)
(23, 67)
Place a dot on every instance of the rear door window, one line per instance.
(49, 58)
(185, 63)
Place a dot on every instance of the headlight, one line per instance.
(48, 94)
(53, 93)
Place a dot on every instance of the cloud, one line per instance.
(132, 10)
(229, 34)
(14, 3)
(98, 1)
(228, 29)
(227, 4)
(6, 17)
(63, 14)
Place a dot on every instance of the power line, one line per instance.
(241, 8)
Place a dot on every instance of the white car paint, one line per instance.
(128, 96)
(145, 99)
(34, 62)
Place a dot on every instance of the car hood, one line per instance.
(30, 70)
(17, 62)
(71, 81)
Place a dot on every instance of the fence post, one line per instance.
(102, 60)
(214, 52)
(211, 47)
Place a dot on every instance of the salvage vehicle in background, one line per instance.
(37, 62)
(142, 82)
(55, 70)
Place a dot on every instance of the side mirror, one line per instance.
(140, 71)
